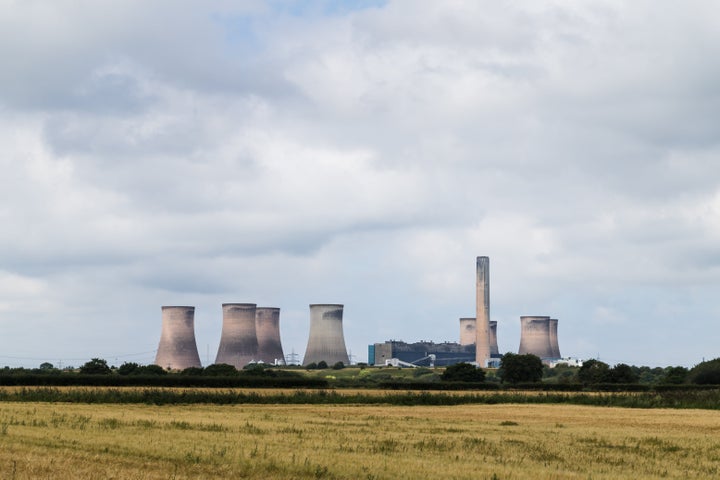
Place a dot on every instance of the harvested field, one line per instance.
(63, 441)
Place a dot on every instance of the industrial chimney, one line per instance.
(493, 339)
(482, 314)
(535, 336)
(177, 349)
(554, 338)
(238, 340)
(326, 341)
(267, 324)
(467, 331)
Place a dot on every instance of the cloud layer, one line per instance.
(359, 153)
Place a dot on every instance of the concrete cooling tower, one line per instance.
(238, 340)
(535, 336)
(467, 331)
(177, 349)
(326, 341)
(267, 325)
(493, 339)
(482, 313)
(554, 338)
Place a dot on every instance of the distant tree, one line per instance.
(311, 366)
(463, 372)
(221, 370)
(622, 373)
(151, 370)
(705, 373)
(338, 366)
(128, 368)
(47, 366)
(593, 372)
(259, 369)
(675, 375)
(322, 365)
(192, 371)
(516, 368)
(96, 366)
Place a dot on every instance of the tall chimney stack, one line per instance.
(482, 314)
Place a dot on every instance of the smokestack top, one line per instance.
(240, 305)
(336, 305)
(164, 307)
(277, 309)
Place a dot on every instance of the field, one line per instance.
(126, 441)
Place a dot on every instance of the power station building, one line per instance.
(238, 340)
(423, 354)
(177, 349)
(267, 326)
(538, 336)
(326, 341)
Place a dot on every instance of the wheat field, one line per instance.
(71, 441)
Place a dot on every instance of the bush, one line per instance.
(463, 372)
(593, 372)
(311, 366)
(674, 375)
(705, 373)
(96, 366)
(622, 373)
(338, 366)
(220, 370)
(128, 368)
(516, 368)
(322, 365)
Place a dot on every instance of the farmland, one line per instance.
(507, 441)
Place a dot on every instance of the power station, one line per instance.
(238, 340)
(326, 341)
(251, 334)
(177, 349)
(267, 326)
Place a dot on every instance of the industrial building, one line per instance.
(538, 336)
(421, 354)
(177, 349)
(238, 339)
(267, 326)
(326, 341)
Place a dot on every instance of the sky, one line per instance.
(365, 153)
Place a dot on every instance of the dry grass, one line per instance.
(63, 441)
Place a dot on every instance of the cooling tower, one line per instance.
(267, 324)
(326, 341)
(177, 349)
(535, 336)
(493, 339)
(467, 331)
(554, 339)
(238, 340)
(482, 325)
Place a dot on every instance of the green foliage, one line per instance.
(622, 373)
(705, 373)
(322, 365)
(45, 366)
(675, 375)
(338, 366)
(593, 372)
(311, 366)
(193, 371)
(516, 368)
(96, 366)
(128, 368)
(220, 370)
(463, 372)
(259, 369)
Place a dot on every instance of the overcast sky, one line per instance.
(360, 152)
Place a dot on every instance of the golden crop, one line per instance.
(70, 441)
